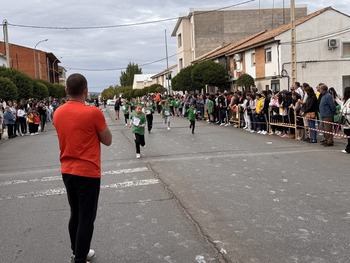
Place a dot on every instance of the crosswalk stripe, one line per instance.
(61, 191)
(57, 178)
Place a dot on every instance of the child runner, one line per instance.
(166, 114)
(137, 123)
(125, 109)
(149, 116)
(192, 112)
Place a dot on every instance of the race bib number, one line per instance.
(136, 121)
(166, 113)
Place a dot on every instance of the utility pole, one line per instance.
(293, 42)
(6, 38)
(167, 63)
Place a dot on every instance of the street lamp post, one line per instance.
(53, 69)
(35, 56)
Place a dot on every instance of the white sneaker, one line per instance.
(138, 156)
(168, 128)
(271, 133)
(126, 124)
(264, 132)
(343, 151)
(221, 124)
(258, 132)
(252, 131)
(89, 256)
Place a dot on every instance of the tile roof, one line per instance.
(257, 38)
(164, 71)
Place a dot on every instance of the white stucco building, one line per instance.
(322, 53)
(142, 80)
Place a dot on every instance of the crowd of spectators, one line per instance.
(301, 113)
(25, 118)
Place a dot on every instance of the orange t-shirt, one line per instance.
(77, 126)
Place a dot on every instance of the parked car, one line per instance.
(110, 102)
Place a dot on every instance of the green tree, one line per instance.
(40, 91)
(22, 81)
(209, 73)
(246, 81)
(108, 93)
(161, 89)
(127, 77)
(139, 92)
(153, 88)
(8, 90)
(60, 91)
(183, 80)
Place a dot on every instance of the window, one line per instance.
(268, 55)
(275, 85)
(179, 40)
(253, 59)
(181, 63)
(346, 49)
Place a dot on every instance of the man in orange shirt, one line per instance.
(81, 129)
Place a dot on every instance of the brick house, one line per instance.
(22, 59)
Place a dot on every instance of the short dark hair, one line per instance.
(76, 84)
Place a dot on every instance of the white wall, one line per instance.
(325, 65)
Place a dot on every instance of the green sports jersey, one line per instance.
(210, 106)
(192, 114)
(138, 123)
(166, 111)
(149, 111)
(125, 108)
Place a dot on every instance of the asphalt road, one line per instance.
(220, 195)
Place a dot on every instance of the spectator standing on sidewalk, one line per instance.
(9, 120)
(117, 108)
(81, 129)
(345, 112)
(327, 111)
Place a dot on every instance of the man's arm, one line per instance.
(105, 137)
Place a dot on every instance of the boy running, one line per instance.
(192, 112)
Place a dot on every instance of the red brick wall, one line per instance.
(22, 59)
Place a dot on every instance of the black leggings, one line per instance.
(193, 125)
(126, 117)
(139, 140)
(82, 193)
(149, 118)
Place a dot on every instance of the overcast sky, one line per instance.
(102, 53)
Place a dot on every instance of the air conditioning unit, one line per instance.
(332, 43)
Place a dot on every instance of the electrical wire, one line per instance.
(114, 69)
(320, 37)
(124, 25)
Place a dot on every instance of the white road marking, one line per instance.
(57, 178)
(60, 191)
